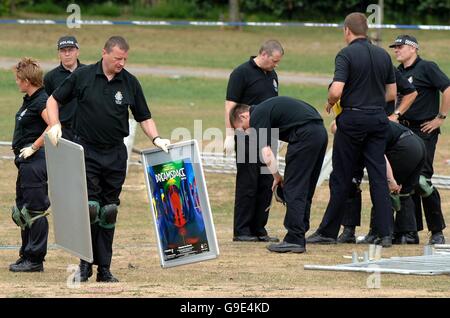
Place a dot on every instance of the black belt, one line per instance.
(406, 134)
(363, 109)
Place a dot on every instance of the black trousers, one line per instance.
(406, 157)
(32, 193)
(432, 204)
(304, 159)
(253, 193)
(359, 133)
(105, 174)
(352, 207)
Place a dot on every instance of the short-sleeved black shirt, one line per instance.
(284, 113)
(29, 123)
(428, 79)
(403, 88)
(52, 80)
(249, 84)
(101, 117)
(365, 69)
(393, 134)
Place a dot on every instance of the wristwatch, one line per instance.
(397, 112)
(441, 116)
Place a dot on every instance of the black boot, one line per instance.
(385, 241)
(104, 275)
(437, 238)
(18, 261)
(369, 238)
(84, 271)
(347, 235)
(412, 238)
(27, 266)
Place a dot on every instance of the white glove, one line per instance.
(27, 152)
(228, 145)
(161, 143)
(54, 134)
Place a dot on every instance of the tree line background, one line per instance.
(395, 11)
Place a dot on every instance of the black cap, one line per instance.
(405, 40)
(67, 41)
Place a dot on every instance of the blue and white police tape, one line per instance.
(220, 23)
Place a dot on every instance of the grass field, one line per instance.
(242, 270)
(310, 50)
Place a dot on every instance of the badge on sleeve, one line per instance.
(275, 85)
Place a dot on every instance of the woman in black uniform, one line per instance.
(31, 185)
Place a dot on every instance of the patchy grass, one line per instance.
(309, 50)
(241, 270)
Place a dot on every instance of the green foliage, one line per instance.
(107, 9)
(395, 11)
(47, 7)
(179, 9)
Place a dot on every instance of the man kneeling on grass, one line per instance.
(301, 126)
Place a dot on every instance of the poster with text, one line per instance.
(176, 202)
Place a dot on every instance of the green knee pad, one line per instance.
(108, 216)
(395, 201)
(17, 217)
(425, 189)
(25, 217)
(94, 209)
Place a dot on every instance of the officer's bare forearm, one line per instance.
(52, 111)
(335, 92)
(391, 92)
(270, 160)
(38, 143)
(149, 128)
(389, 172)
(228, 106)
(445, 105)
(407, 101)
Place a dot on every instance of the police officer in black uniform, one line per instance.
(405, 154)
(31, 185)
(406, 93)
(424, 118)
(251, 83)
(68, 52)
(364, 79)
(104, 92)
(301, 126)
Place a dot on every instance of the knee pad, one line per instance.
(26, 217)
(17, 217)
(94, 209)
(395, 201)
(108, 216)
(424, 189)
